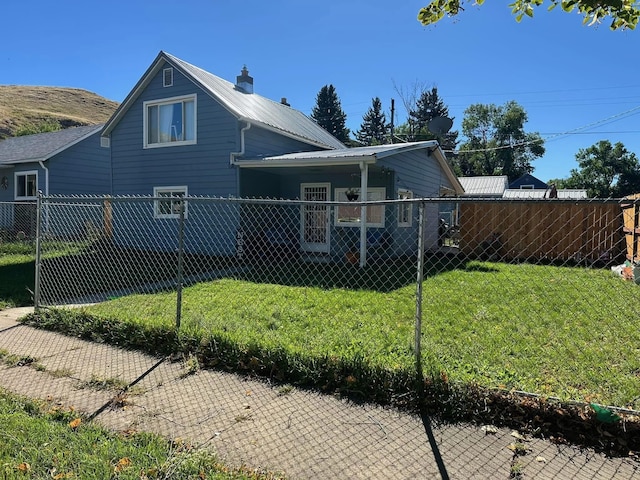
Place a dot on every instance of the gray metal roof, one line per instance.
(563, 193)
(485, 185)
(352, 156)
(42, 146)
(249, 107)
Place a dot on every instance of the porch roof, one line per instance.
(353, 156)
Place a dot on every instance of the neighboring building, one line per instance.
(562, 193)
(185, 132)
(65, 162)
(528, 182)
(484, 186)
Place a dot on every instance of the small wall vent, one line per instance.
(105, 142)
(167, 77)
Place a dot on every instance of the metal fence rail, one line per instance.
(534, 298)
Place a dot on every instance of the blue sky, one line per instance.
(568, 77)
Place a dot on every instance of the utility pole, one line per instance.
(393, 111)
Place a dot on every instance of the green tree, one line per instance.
(623, 13)
(374, 128)
(605, 171)
(496, 142)
(428, 107)
(328, 113)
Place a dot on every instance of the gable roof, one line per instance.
(353, 156)
(485, 185)
(42, 146)
(528, 179)
(248, 107)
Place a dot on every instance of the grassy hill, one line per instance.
(27, 108)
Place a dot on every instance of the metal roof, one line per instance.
(485, 185)
(563, 193)
(42, 146)
(248, 107)
(353, 156)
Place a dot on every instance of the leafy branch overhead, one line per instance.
(624, 14)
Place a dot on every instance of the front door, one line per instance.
(315, 218)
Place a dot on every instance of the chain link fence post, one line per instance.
(36, 288)
(419, 279)
(180, 259)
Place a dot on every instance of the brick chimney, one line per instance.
(244, 81)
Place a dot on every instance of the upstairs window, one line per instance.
(169, 202)
(26, 185)
(170, 122)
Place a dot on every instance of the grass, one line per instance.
(40, 440)
(17, 274)
(555, 331)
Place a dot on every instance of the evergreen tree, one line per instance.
(374, 128)
(329, 115)
(428, 107)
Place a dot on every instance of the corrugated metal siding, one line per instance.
(484, 186)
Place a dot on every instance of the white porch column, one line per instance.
(364, 174)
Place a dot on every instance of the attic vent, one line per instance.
(105, 142)
(167, 77)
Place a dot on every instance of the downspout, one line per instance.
(45, 227)
(46, 177)
(233, 155)
(364, 174)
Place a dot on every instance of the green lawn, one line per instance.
(17, 274)
(557, 331)
(40, 440)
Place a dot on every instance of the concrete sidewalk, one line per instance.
(250, 422)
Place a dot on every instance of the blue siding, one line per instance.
(82, 169)
(419, 172)
(260, 142)
(203, 167)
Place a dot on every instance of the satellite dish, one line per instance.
(440, 125)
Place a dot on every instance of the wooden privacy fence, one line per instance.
(548, 229)
(631, 217)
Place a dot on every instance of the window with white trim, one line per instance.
(169, 202)
(349, 216)
(405, 210)
(26, 185)
(170, 122)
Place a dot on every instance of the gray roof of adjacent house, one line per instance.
(534, 193)
(42, 146)
(248, 107)
(353, 156)
(485, 186)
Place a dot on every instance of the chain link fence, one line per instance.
(514, 314)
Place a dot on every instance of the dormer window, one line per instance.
(167, 77)
(170, 122)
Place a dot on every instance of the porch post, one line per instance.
(364, 174)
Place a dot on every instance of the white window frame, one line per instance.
(528, 186)
(158, 212)
(170, 101)
(405, 209)
(342, 213)
(167, 77)
(16, 182)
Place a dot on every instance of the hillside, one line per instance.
(23, 107)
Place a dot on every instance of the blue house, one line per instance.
(183, 131)
(65, 162)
